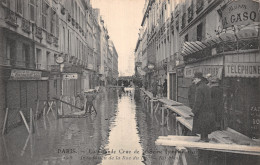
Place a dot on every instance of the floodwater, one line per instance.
(123, 132)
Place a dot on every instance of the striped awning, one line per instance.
(230, 35)
(192, 47)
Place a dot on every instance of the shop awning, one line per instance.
(230, 35)
(192, 47)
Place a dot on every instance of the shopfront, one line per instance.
(242, 93)
(212, 66)
(22, 89)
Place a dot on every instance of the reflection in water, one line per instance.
(123, 142)
(122, 126)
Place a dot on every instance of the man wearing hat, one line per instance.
(203, 120)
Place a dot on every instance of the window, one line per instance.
(48, 60)
(10, 51)
(38, 58)
(199, 32)
(186, 38)
(53, 20)
(26, 55)
(19, 6)
(57, 26)
(45, 8)
(32, 10)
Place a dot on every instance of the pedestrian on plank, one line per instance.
(191, 94)
(165, 88)
(217, 102)
(91, 96)
(155, 88)
(203, 120)
(80, 100)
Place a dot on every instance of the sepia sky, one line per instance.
(123, 20)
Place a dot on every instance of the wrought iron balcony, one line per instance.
(48, 37)
(38, 32)
(11, 17)
(26, 25)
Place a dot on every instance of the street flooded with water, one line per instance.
(122, 132)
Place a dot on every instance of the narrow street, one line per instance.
(122, 130)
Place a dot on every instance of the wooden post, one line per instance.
(180, 153)
(162, 116)
(37, 108)
(5, 121)
(44, 108)
(31, 121)
(151, 105)
(24, 120)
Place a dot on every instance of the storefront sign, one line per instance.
(25, 75)
(255, 120)
(242, 69)
(240, 12)
(215, 71)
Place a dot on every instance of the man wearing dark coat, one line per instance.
(191, 94)
(155, 88)
(217, 102)
(203, 120)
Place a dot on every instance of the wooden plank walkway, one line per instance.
(183, 111)
(192, 142)
(169, 102)
(186, 122)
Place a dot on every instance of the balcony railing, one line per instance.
(38, 32)
(48, 37)
(26, 25)
(11, 17)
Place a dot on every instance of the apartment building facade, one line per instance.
(220, 38)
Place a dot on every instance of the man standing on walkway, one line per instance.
(89, 104)
(191, 94)
(155, 88)
(217, 102)
(203, 120)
